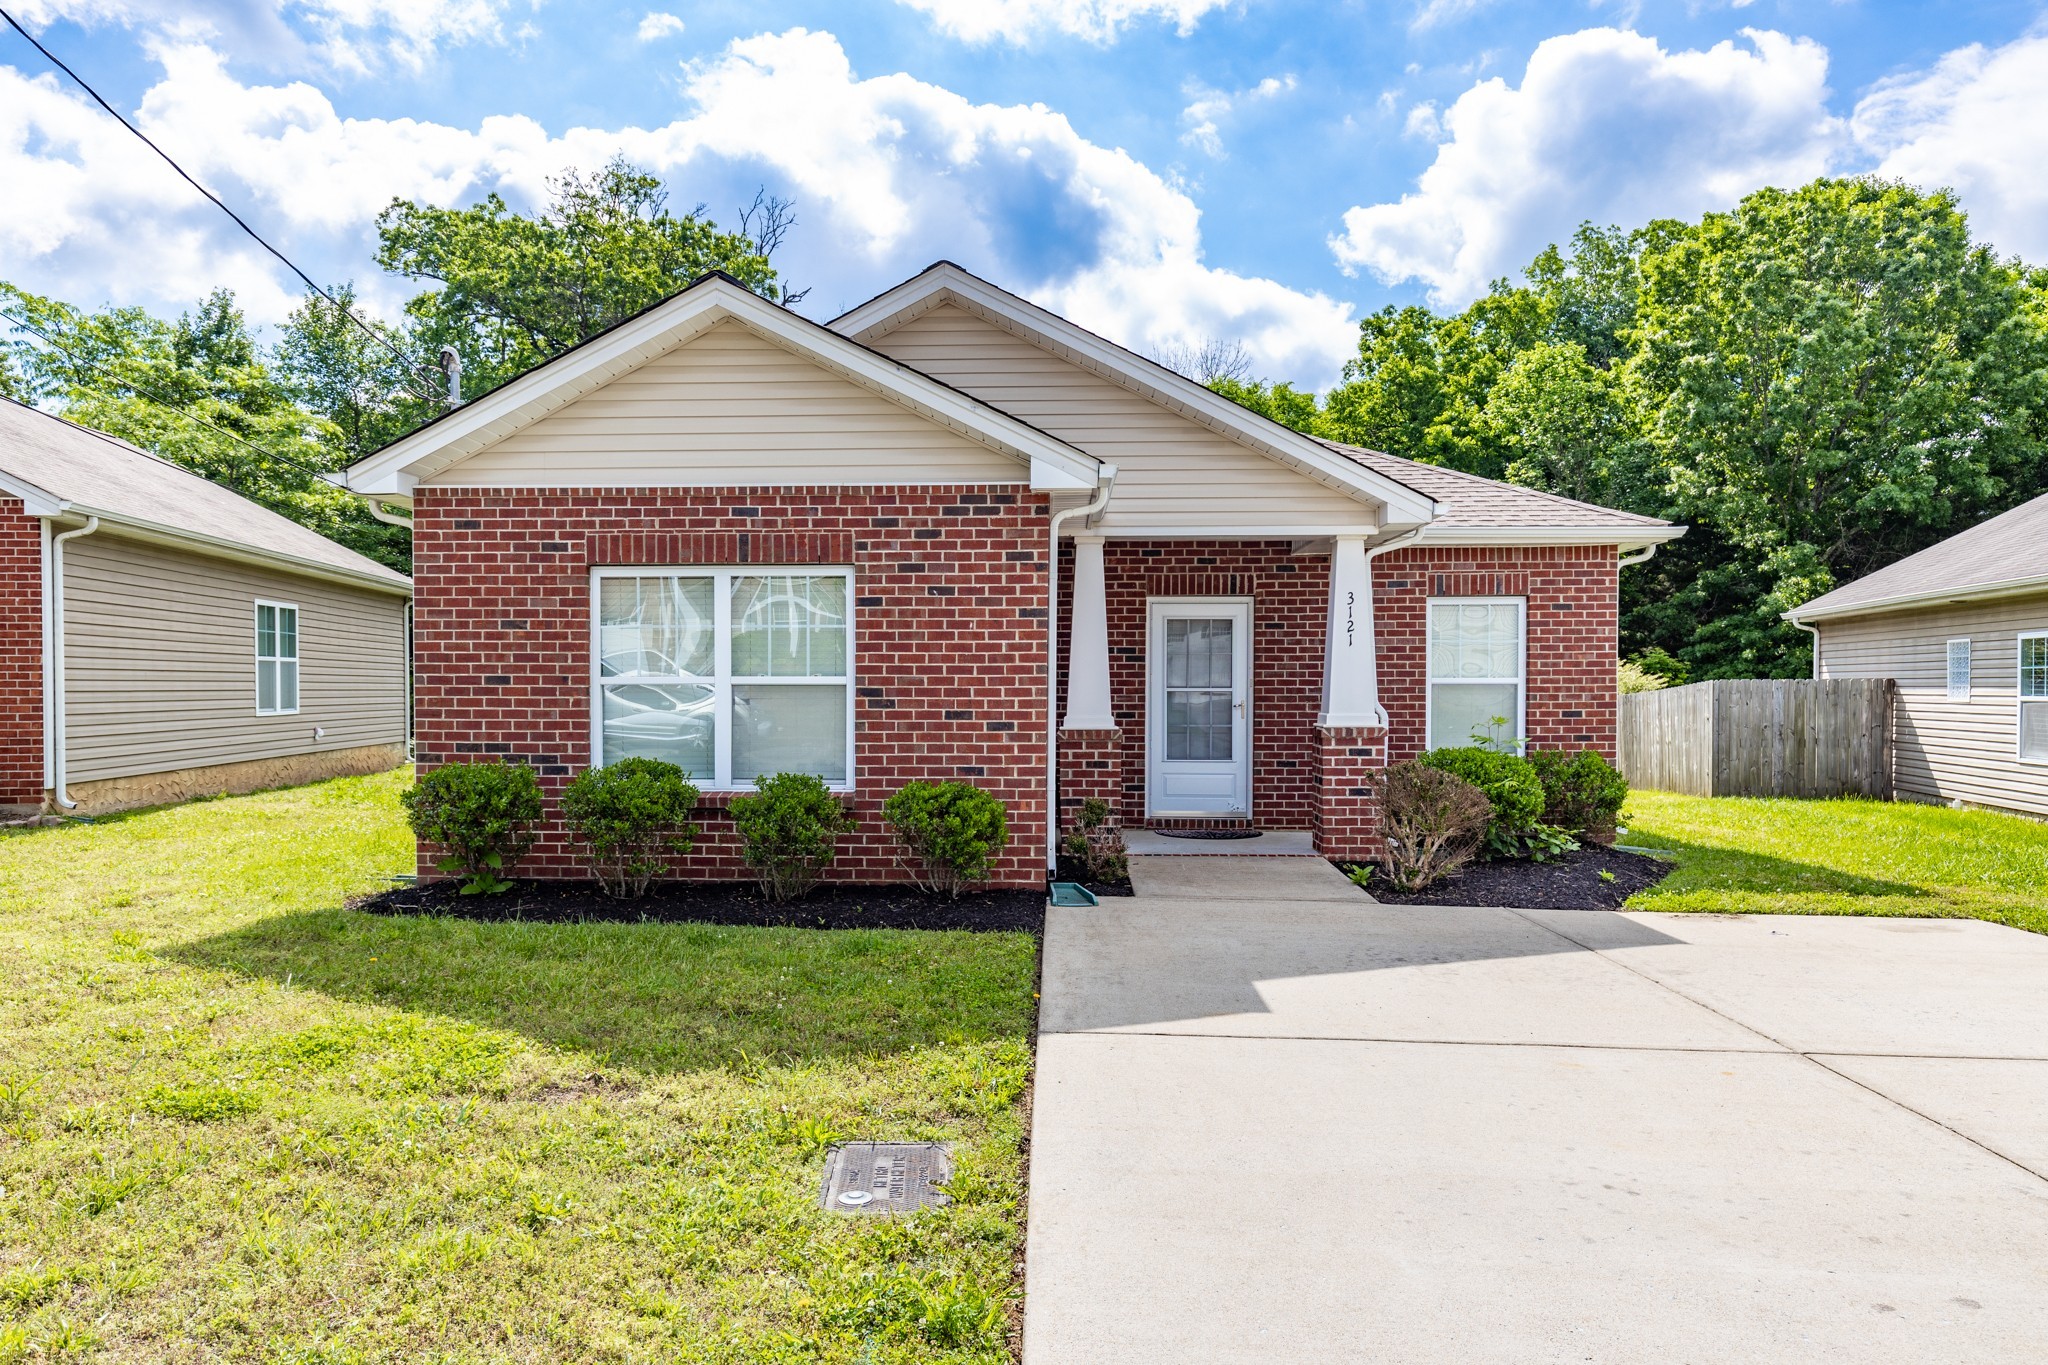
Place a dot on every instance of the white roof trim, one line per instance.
(34, 501)
(948, 283)
(468, 429)
(1625, 537)
(221, 547)
(2012, 587)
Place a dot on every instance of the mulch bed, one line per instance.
(1573, 882)
(832, 906)
(1070, 871)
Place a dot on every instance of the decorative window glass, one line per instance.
(1958, 670)
(1475, 671)
(2034, 697)
(730, 674)
(277, 659)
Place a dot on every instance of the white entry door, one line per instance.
(1198, 752)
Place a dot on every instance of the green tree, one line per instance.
(369, 394)
(1566, 427)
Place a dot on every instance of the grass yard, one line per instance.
(1843, 858)
(240, 1123)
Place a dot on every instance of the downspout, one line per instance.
(378, 510)
(1105, 484)
(1814, 631)
(56, 670)
(1639, 557)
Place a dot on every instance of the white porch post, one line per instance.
(1351, 692)
(1088, 706)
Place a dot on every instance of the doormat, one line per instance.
(1208, 833)
(886, 1177)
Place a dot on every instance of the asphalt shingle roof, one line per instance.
(1469, 500)
(2006, 550)
(109, 476)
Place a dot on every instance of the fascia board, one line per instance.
(36, 502)
(1624, 537)
(549, 387)
(219, 547)
(1177, 393)
(2017, 587)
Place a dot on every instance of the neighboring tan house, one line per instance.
(729, 537)
(162, 637)
(1962, 627)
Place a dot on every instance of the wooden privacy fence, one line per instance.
(1767, 737)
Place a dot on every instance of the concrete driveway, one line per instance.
(1277, 1122)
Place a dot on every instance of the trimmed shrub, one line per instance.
(1097, 845)
(1582, 793)
(482, 813)
(1510, 783)
(789, 831)
(950, 830)
(1432, 820)
(631, 817)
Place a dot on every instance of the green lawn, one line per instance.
(1843, 858)
(240, 1123)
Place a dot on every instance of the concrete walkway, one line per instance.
(1275, 1121)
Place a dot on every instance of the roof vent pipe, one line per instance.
(451, 365)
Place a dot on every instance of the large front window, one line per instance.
(1475, 671)
(730, 674)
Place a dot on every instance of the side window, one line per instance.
(2034, 696)
(277, 659)
(1476, 670)
(1958, 670)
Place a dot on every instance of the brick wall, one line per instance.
(950, 591)
(1346, 822)
(21, 656)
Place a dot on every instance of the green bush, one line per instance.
(1096, 845)
(1432, 821)
(789, 832)
(631, 816)
(482, 813)
(1582, 792)
(950, 830)
(1510, 785)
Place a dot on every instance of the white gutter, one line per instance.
(1105, 484)
(1814, 631)
(378, 511)
(1646, 553)
(2013, 587)
(54, 706)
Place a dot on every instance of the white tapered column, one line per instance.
(1088, 706)
(1351, 689)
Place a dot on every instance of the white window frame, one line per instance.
(1430, 682)
(1948, 668)
(2020, 697)
(295, 658)
(722, 679)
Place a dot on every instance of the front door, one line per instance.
(1198, 753)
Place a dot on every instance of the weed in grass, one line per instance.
(97, 1194)
(200, 1103)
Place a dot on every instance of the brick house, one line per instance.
(747, 543)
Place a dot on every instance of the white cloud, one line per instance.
(1020, 21)
(1207, 109)
(1423, 122)
(888, 174)
(1435, 12)
(357, 35)
(657, 25)
(1606, 126)
(1977, 123)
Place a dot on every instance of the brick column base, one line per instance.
(1345, 823)
(1091, 764)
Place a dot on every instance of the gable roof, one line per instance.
(59, 468)
(1991, 559)
(946, 283)
(708, 301)
(1479, 511)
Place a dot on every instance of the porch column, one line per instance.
(1351, 690)
(1088, 706)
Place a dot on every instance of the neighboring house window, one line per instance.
(730, 674)
(1475, 670)
(2034, 696)
(277, 659)
(1958, 670)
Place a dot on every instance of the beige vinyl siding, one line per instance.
(1949, 750)
(160, 661)
(730, 407)
(1171, 472)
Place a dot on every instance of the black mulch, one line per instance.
(1070, 871)
(1573, 882)
(832, 906)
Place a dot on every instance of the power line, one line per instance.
(254, 236)
(157, 399)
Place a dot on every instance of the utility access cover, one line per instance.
(886, 1177)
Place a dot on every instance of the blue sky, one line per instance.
(1161, 170)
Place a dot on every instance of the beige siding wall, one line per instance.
(160, 661)
(732, 408)
(1949, 750)
(1171, 472)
